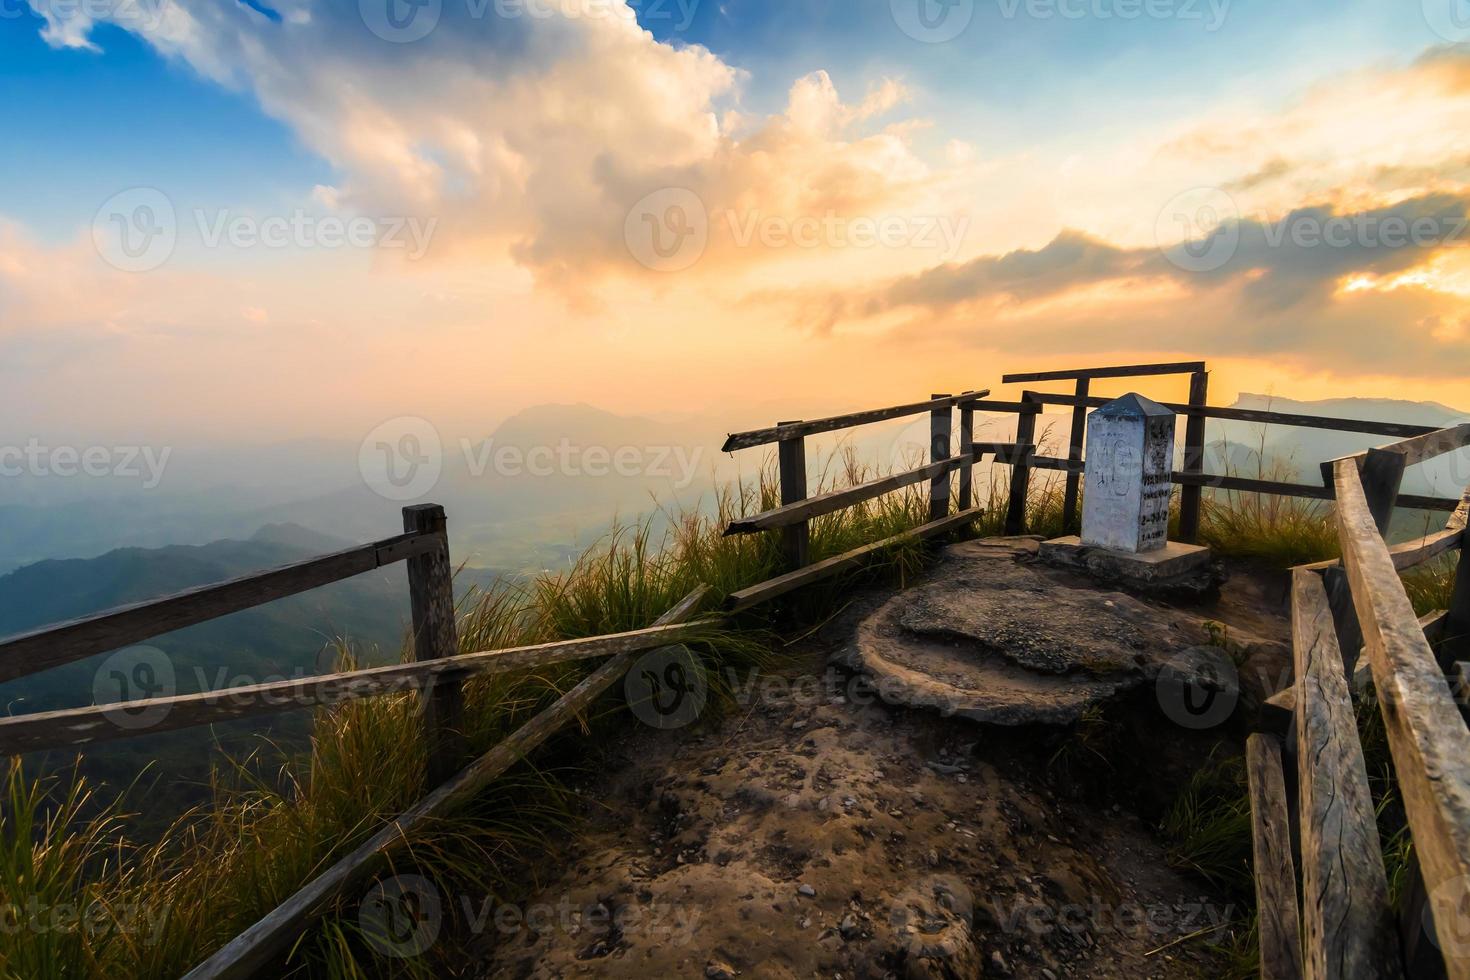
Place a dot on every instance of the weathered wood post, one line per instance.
(431, 592)
(1456, 642)
(941, 422)
(791, 457)
(1020, 465)
(967, 448)
(1074, 455)
(1194, 457)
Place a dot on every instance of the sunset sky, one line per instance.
(247, 220)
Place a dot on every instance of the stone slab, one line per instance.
(1175, 566)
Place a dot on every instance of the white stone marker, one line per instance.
(1130, 459)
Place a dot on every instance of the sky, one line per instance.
(232, 220)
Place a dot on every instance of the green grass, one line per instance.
(276, 820)
(224, 865)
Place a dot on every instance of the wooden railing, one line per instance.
(1022, 454)
(793, 517)
(437, 673)
(1339, 922)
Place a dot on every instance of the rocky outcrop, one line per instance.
(995, 637)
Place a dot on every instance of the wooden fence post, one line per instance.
(1194, 457)
(967, 443)
(1456, 643)
(431, 592)
(1020, 467)
(1382, 473)
(941, 428)
(791, 456)
(1074, 455)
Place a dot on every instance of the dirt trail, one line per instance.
(814, 831)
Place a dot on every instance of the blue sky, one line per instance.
(1051, 147)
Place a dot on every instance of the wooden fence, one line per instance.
(1337, 610)
(438, 671)
(1352, 623)
(793, 517)
(1023, 456)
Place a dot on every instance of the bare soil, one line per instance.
(814, 831)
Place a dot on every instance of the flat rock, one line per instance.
(997, 638)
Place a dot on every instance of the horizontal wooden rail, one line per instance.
(770, 589)
(63, 643)
(1013, 408)
(779, 433)
(1409, 554)
(1427, 738)
(73, 727)
(1431, 444)
(254, 950)
(828, 503)
(1255, 415)
(1124, 371)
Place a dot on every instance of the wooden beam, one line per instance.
(791, 460)
(1275, 876)
(770, 589)
(967, 459)
(1432, 444)
(1020, 474)
(1349, 929)
(1427, 737)
(1408, 554)
(836, 500)
(436, 637)
(75, 727)
(941, 433)
(1190, 497)
(1268, 418)
(1074, 455)
(764, 437)
(1009, 408)
(1121, 371)
(64, 643)
(257, 948)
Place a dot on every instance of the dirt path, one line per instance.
(814, 831)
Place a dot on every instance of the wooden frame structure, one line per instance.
(793, 517)
(1309, 742)
(1023, 457)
